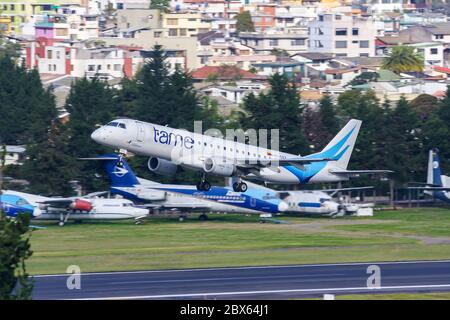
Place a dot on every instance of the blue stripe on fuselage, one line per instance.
(252, 199)
(309, 204)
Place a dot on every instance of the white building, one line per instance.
(14, 155)
(343, 35)
(265, 42)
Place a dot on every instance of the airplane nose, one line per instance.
(283, 206)
(96, 135)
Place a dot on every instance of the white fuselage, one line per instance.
(310, 202)
(190, 150)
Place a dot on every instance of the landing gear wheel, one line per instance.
(61, 223)
(181, 218)
(203, 186)
(240, 187)
(203, 217)
(206, 186)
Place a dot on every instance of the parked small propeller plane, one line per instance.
(74, 208)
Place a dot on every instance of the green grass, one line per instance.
(233, 240)
(428, 222)
(400, 296)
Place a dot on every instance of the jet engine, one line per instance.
(161, 166)
(218, 167)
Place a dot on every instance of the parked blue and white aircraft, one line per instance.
(124, 182)
(172, 149)
(74, 208)
(437, 185)
(320, 202)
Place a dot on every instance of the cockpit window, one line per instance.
(21, 202)
(122, 125)
(113, 124)
(322, 200)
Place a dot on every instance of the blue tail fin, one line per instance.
(434, 168)
(118, 171)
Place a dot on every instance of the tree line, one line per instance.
(394, 135)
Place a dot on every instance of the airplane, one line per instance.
(74, 208)
(171, 150)
(159, 196)
(319, 202)
(437, 185)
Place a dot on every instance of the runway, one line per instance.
(265, 282)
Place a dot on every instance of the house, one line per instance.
(289, 67)
(342, 75)
(234, 94)
(343, 35)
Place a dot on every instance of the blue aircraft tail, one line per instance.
(434, 168)
(118, 170)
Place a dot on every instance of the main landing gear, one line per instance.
(203, 185)
(240, 186)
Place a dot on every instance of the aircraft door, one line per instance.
(140, 134)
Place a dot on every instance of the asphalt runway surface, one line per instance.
(263, 282)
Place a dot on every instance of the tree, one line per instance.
(90, 103)
(14, 251)
(424, 104)
(400, 142)
(50, 164)
(279, 108)
(162, 5)
(329, 120)
(364, 106)
(244, 22)
(403, 59)
(26, 107)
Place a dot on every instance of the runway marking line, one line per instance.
(185, 295)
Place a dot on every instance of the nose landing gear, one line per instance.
(240, 186)
(203, 185)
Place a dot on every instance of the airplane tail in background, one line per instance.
(341, 147)
(118, 170)
(434, 168)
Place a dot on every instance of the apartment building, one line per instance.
(265, 42)
(185, 24)
(343, 35)
(22, 10)
(71, 27)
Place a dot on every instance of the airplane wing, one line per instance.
(58, 202)
(181, 206)
(358, 172)
(430, 188)
(96, 194)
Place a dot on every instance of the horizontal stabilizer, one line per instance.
(358, 172)
(346, 189)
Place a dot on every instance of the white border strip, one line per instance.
(187, 295)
